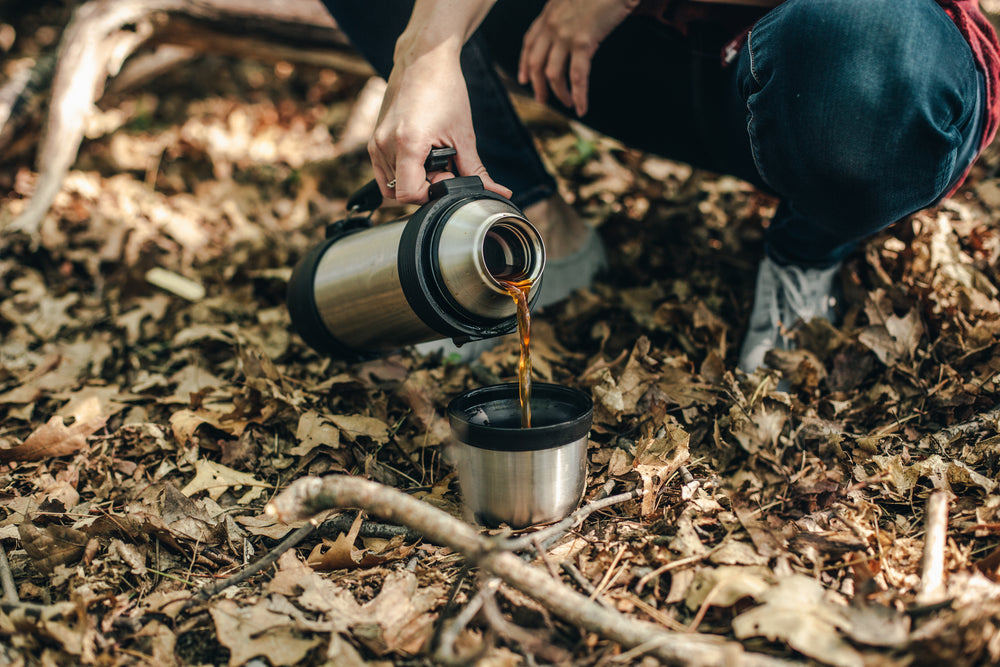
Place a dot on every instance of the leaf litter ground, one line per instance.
(142, 432)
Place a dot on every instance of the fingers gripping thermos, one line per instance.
(369, 289)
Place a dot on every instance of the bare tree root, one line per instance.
(104, 33)
(305, 497)
(21, 96)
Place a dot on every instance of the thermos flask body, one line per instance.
(358, 294)
(435, 274)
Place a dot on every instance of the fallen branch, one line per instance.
(335, 525)
(311, 495)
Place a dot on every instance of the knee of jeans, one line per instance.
(866, 107)
(864, 54)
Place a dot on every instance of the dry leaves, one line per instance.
(144, 424)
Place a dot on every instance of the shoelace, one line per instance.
(799, 296)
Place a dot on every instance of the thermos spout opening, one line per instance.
(513, 250)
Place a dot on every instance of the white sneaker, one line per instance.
(565, 275)
(785, 296)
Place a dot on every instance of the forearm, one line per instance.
(440, 27)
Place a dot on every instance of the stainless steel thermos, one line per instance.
(369, 289)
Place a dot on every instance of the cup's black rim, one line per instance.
(508, 439)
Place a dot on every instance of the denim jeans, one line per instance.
(855, 113)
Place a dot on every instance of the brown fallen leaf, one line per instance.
(55, 438)
(314, 430)
(54, 545)
(659, 457)
(216, 478)
(351, 426)
(185, 423)
(291, 573)
(251, 631)
(340, 554)
(798, 611)
(419, 391)
(893, 339)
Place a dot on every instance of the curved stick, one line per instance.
(310, 495)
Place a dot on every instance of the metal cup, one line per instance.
(521, 476)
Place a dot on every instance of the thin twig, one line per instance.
(456, 585)
(948, 435)
(654, 613)
(611, 583)
(666, 567)
(703, 609)
(530, 644)
(446, 648)
(629, 656)
(545, 559)
(573, 520)
(932, 571)
(310, 495)
(607, 575)
(584, 583)
(292, 540)
(504, 628)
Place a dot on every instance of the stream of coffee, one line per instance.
(519, 290)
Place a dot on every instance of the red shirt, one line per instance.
(983, 39)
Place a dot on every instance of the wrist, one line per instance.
(440, 27)
(424, 42)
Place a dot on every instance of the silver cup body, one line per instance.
(521, 489)
(515, 476)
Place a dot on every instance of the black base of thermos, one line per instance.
(367, 290)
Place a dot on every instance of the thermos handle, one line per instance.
(368, 197)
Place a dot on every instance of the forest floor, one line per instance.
(142, 432)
